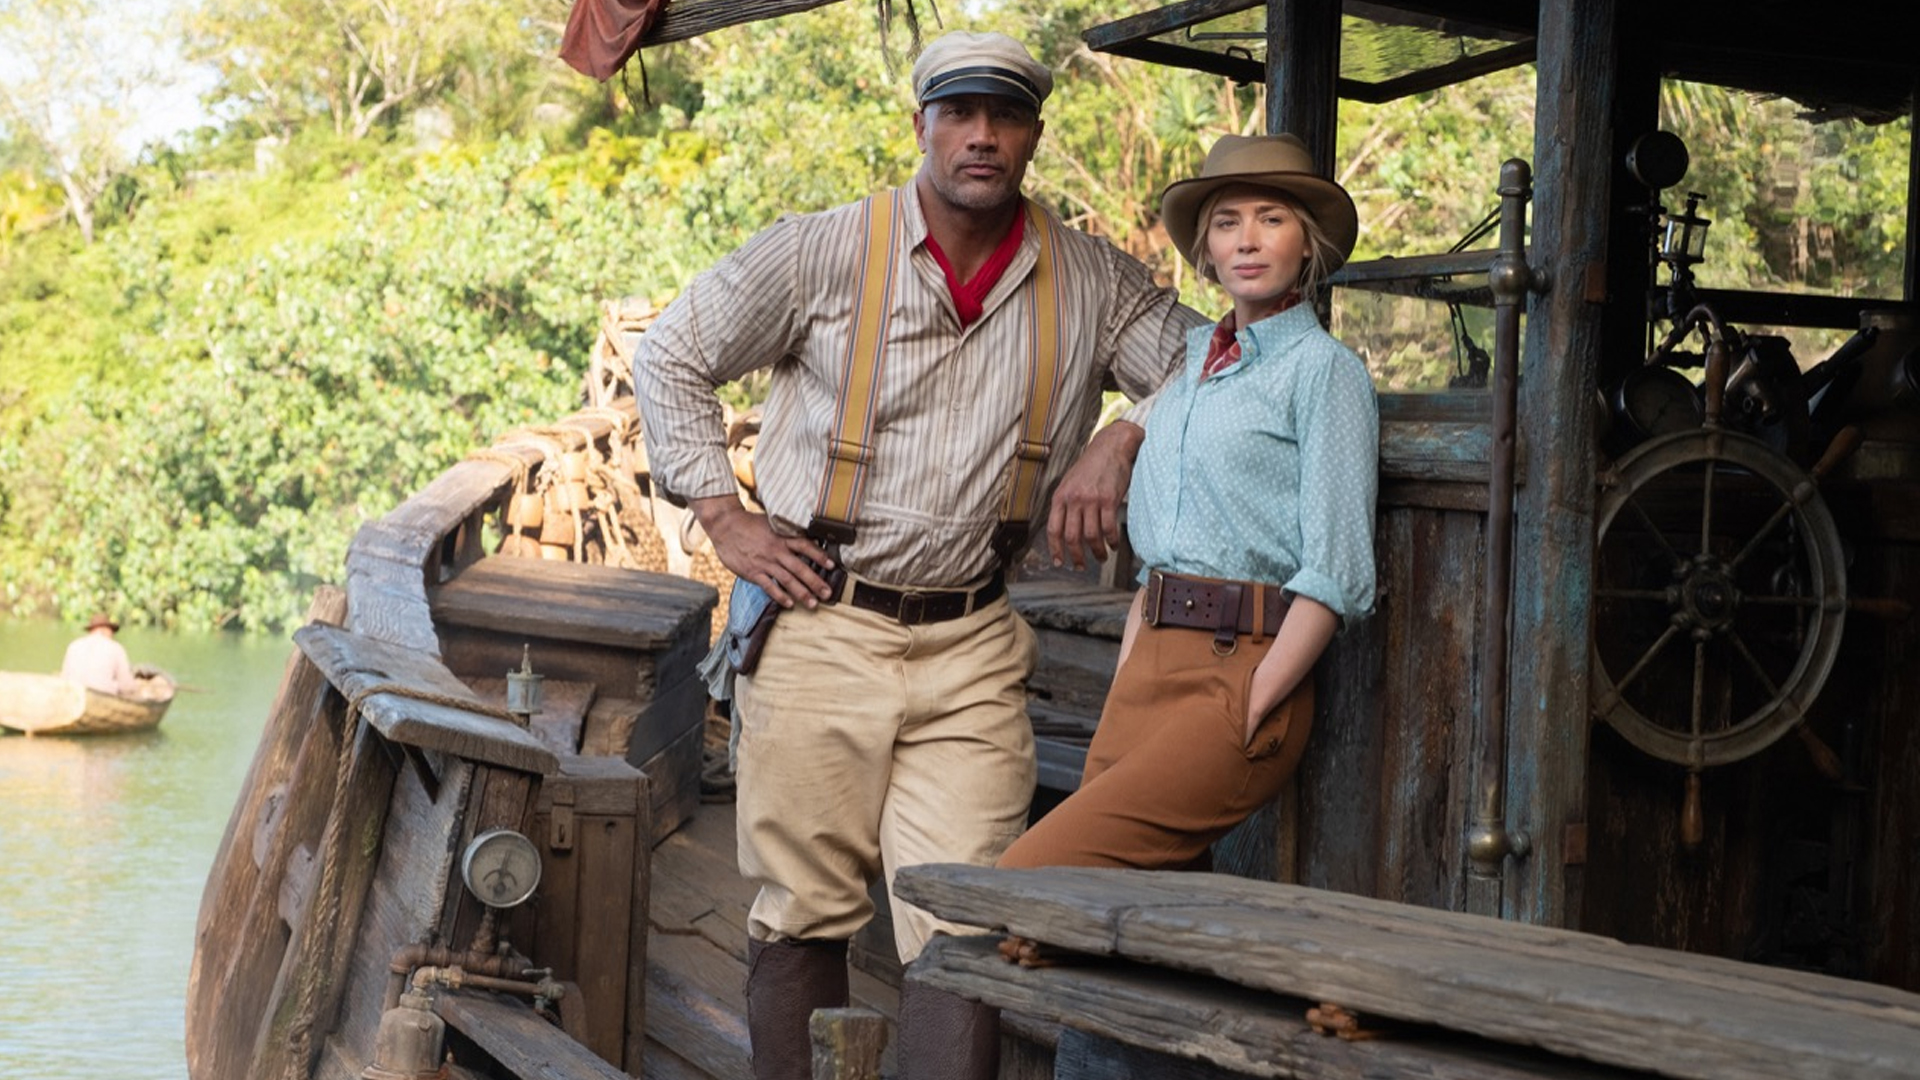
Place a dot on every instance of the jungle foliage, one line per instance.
(292, 321)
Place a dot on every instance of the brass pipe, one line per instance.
(1489, 841)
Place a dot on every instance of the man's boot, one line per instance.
(944, 1036)
(786, 981)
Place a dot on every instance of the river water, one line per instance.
(105, 844)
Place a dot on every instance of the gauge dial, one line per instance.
(501, 868)
(1658, 401)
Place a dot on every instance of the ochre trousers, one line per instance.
(866, 746)
(1170, 769)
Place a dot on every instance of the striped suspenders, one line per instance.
(850, 443)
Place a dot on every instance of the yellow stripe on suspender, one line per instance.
(848, 457)
(1043, 374)
(849, 446)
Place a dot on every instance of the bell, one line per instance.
(409, 1044)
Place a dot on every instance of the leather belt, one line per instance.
(1225, 607)
(912, 607)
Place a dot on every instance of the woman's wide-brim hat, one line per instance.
(101, 619)
(1271, 161)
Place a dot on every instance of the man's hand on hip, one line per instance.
(788, 567)
(1084, 519)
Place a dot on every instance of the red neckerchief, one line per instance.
(969, 298)
(1224, 350)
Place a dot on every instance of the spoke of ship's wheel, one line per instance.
(1699, 683)
(1781, 601)
(1778, 516)
(1706, 504)
(1646, 519)
(1640, 665)
(1658, 596)
(1739, 646)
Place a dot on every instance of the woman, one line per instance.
(1252, 510)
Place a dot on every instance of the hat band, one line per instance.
(1016, 84)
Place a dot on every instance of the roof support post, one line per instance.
(1303, 62)
(1579, 49)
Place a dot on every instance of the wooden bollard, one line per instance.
(847, 1043)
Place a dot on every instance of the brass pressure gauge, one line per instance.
(501, 868)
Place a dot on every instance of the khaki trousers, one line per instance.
(866, 746)
(1170, 769)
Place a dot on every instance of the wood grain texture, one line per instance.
(1573, 994)
(355, 664)
(240, 941)
(524, 1043)
(1579, 50)
(1182, 1019)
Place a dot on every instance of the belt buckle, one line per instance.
(1155, 581)
(914, 602)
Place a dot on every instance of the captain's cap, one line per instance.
(964, 62)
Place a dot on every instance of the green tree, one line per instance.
(70, 71)
(358, 63)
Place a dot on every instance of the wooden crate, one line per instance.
(593, 823)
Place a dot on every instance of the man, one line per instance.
(98, 662)
(885, 722)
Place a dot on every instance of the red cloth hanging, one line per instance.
(602, 34)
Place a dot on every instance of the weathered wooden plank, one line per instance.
(1553, 513)
(386, 600)
(562, 718)
(357, 665)
(402, 908)
(307, 991)
(847, 1043)
(1078, 607)
(1195, 1017)
(1570, 993)
(1435, 450)
(282, 805)
(1075, 671)
(1433, 495)
(709, 1031)
(673, 781)
(576, 602)
(523, 1042)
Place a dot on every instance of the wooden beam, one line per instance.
(1433, 78)
(1130, 1020)
(1554, 513)
(1163, 20)
(1577, 995)
(1229, 66)
(685, 20)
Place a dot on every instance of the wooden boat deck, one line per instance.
(697, 953)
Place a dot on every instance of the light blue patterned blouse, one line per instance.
(1268, 470)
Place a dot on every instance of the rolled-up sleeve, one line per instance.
(1339, 432)
(733, 319)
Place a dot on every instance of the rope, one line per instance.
(316, 946)
(512, 461)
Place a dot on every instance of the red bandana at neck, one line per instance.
(969, 298)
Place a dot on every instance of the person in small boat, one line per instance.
(97, 661)
(910, 337)
(1252, 512)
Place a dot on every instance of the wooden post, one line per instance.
(1910, 285)
(847, 1043)
(1553, 544)
(1303, 59)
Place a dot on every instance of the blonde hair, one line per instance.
(1321, 253)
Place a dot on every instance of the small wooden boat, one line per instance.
(50, 705)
